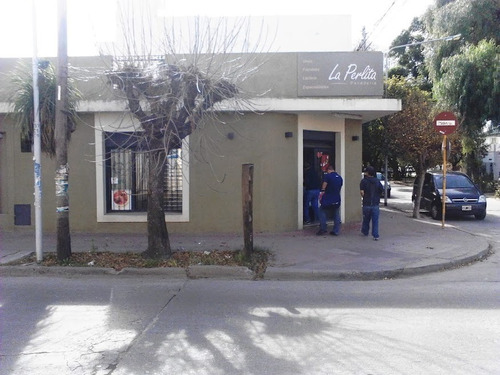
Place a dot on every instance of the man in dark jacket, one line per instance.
(329, 198)
(370, 189)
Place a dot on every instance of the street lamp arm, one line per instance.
(451, 37)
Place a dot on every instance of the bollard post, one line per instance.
(247, 201)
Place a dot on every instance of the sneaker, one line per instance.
(321, 232)
(375, 238)
(307, 222)
(333, 233)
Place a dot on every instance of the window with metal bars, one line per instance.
(127, 176)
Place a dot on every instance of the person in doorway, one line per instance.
(370, 190)
(312, 184)
(329, 198)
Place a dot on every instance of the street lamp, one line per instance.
(386, 76)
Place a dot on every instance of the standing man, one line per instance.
(370, 189)
(329, 198)
(312, 184)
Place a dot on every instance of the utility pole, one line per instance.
(61, 138)
(37, 144)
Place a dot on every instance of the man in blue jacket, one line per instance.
(329, 197)
(370, 189)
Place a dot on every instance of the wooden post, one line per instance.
(247, 200)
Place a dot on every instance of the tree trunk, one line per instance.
(418, 197)
(158, 241)
(61, 140)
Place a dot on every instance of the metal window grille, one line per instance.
(173, 182)
(127, 176)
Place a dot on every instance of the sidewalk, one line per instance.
(407, 247)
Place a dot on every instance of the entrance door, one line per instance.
(319, 149)
(319, 152)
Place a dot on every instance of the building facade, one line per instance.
(305, 108)
(491, 160)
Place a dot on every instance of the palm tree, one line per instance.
(23, 113)
(23, 110)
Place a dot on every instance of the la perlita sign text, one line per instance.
(340, 74)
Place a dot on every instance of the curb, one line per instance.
(192, 272)
(281, 274)
(242, 273)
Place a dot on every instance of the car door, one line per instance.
(428, 192)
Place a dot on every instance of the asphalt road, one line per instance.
(445, 323)
(440, 323)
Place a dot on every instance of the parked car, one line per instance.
(382, 179)
(463, 197)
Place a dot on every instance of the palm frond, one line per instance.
(23, 105)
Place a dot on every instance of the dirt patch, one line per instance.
(183, 259)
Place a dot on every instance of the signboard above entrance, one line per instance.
(343, 74)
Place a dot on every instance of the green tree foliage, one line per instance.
(470, 83)
(470, 86)
(23, 111)
(475, 20)
(466, 73)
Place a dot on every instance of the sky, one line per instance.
(90, 21)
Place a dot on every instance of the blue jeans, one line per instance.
(370, 213)
(335, 213)
(311, 196)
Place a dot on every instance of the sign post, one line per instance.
(445, 123)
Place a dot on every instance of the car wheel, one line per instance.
(388, 194)
(481, 215)
(436, 212)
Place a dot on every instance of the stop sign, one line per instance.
(445, 123)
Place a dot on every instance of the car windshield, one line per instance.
(454, 181)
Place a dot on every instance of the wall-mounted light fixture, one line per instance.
(288, 134)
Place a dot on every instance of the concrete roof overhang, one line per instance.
(364, 109)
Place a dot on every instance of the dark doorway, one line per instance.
(319, 149)
(319, 152)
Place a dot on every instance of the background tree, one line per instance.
(466, 73)
(470, 86)
(373, 143)
(171, 93)
(411, 59)
(413, 137)
(475, 20)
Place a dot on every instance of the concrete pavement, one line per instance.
(407, 247)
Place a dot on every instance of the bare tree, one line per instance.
(171, 91)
